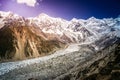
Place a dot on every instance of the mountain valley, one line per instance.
(47, 48)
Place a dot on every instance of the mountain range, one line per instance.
(78, 40)
(33, 37)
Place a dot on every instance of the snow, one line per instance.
(48, 31)
(59, 26)
(9, 14)
(1, 23)
(118, 18)
(4, 13)
(117, 27)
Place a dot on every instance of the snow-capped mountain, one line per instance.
(76, 30)
(31, 37)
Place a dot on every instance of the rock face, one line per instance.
(20, 42)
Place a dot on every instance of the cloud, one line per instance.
(31, 3)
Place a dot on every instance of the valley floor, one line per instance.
(42, 67)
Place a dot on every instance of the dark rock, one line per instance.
(115, 76)
(91, 77)
(32, 79)
(105, 71)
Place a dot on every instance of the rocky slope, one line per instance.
(104, 66)
(107, 68)
(20, 41)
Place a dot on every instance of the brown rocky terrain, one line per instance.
(19, 42)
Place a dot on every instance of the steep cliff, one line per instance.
(20, 42)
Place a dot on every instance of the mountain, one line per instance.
(20, 41)
(23, 38)
(60, 50)
(75, 30)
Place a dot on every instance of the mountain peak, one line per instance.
(43, 15)
(9, 14)
(75, 20)
(5, 13)
(118, 18)
(92, 18)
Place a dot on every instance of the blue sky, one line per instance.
(66, 9)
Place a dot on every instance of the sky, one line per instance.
(67, 9)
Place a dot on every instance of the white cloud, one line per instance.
(31, 3)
